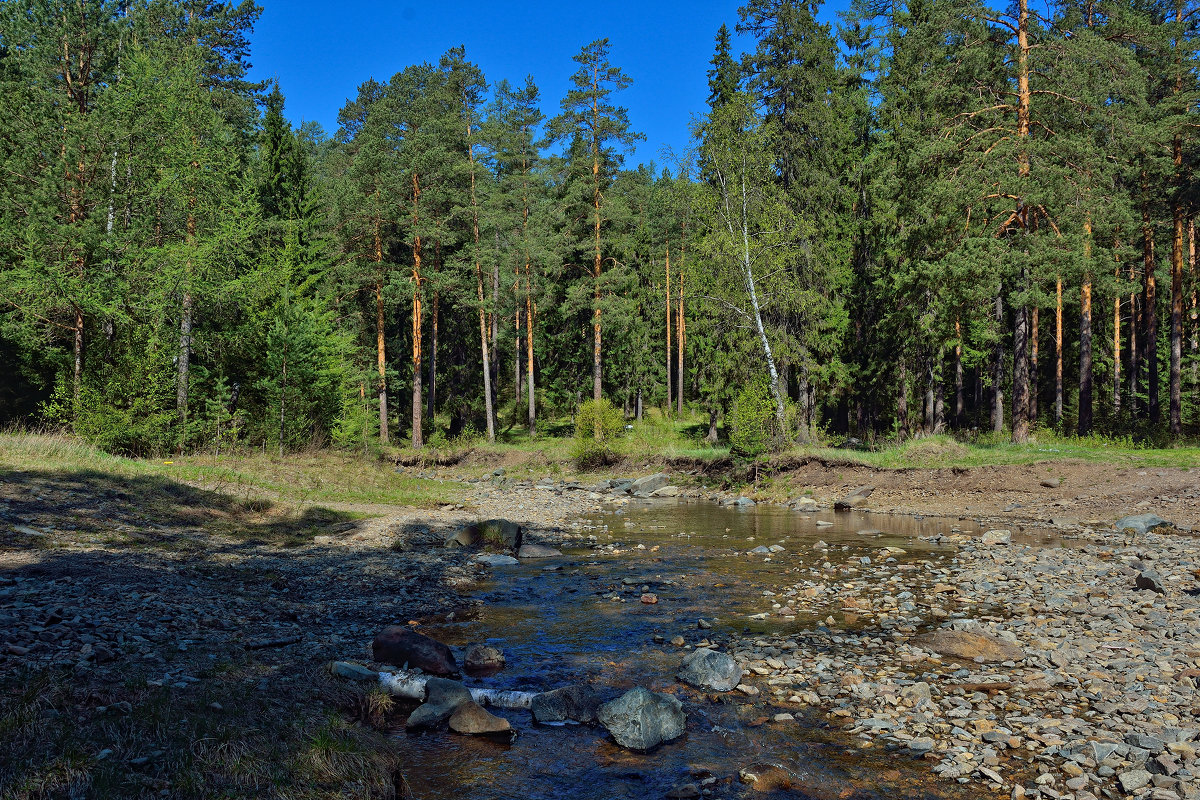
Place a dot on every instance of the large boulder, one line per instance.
(710, 670)
(568, 704)
(1143, 523)
(472, 718)
(856, 499)
(400, 645)
(651, 483)
(969, 645)
(497, 533)
(641, 719)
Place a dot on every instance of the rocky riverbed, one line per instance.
(1081, 683)
(1075, 683)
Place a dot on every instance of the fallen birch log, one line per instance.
(412, 686)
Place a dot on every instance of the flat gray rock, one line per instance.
(496, 560)
(537, 551)
(650, 483)
(1143, 523)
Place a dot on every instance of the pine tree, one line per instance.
(597, 130)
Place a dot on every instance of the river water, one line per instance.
(558, 623)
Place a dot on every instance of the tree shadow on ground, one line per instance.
(162, 640)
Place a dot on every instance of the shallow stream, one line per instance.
(558, 623)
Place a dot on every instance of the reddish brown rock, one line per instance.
(471, 718)
(400, 645)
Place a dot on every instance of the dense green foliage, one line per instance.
(598, 429)
(935, 215)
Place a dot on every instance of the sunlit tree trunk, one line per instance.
(532, 397)
(1085, 336)
(418, 439)
(380, 353)
(1058, 353)
(483, 327)
(381, 363)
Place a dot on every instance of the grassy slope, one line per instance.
(302, 478)
(662, 440)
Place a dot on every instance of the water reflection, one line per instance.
(579, 618)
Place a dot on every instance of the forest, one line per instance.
(932, 216)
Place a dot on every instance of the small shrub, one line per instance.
(598, 427)
(753, 428)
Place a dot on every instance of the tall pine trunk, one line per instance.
(1149, 309)
(431, 395)
(532, 397)
(1116, 353)
(1021, 401)
(681, 328)
(1058, 354)
(1035, 380)
(1021, 376)
(381, 362)
(1195, 314)
(1085, 336)
(680, 339)
(597, 391)
(998, 368)
(77, 372)
(1135, 326)
(670, 359)
(1176, 379)
(380, 354)
(518, 375)
(185, 329)
(1176, 366)
(483, 328)
(418, 438)
(958, 377)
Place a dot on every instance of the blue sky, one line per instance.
(321, 51)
